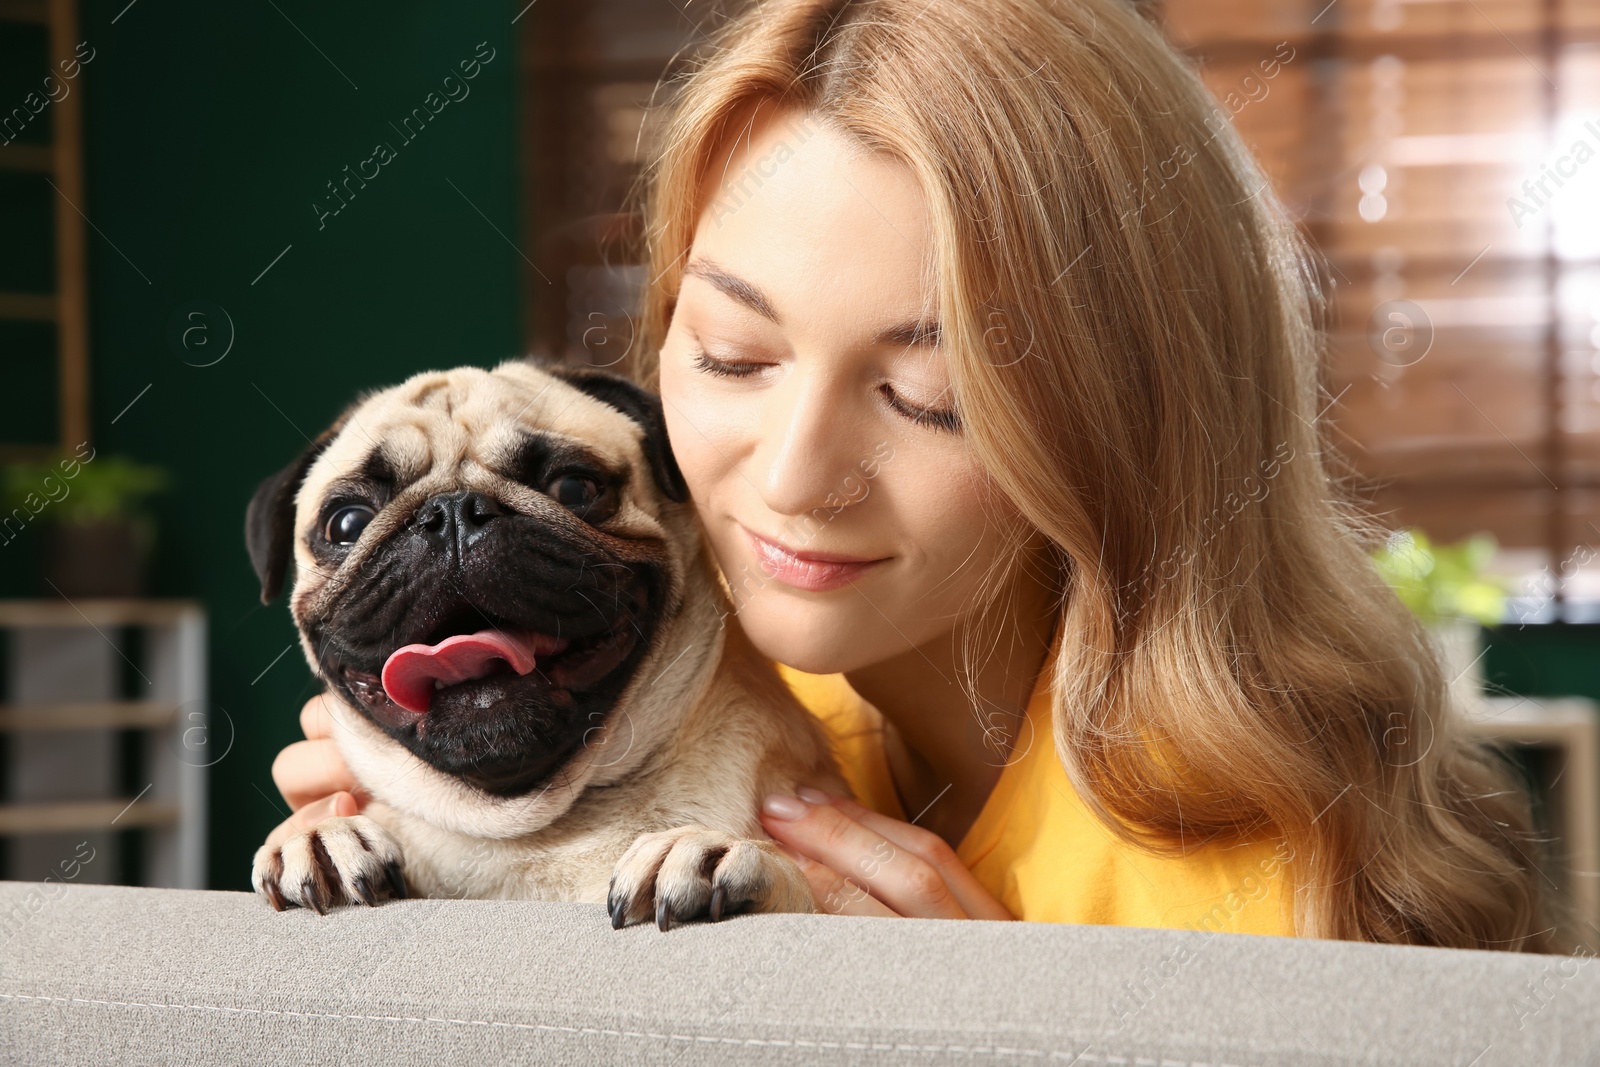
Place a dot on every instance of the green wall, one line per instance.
(211, 130)
(1544, 660)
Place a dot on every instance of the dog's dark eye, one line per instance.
(346, 524)
(574, 491)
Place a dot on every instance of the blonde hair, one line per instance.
(1232, 664)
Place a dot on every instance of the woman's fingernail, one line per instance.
(815, 796)
(782, 807)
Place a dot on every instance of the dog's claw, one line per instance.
(397, 881)
(363, 891)
(312, 893)
(717, 895)
(617, 913)
(663, 914)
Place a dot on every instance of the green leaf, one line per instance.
(1444, 581)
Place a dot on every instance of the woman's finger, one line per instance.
(974, 899)
(311, 770)
(835, 894)
(316, 721)
(900, 879)
(311, 814)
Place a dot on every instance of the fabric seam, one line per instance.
(853, 1046)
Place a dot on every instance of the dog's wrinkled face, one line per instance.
(482, 561)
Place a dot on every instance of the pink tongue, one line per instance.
(410, 672)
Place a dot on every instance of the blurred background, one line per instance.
(218, 224)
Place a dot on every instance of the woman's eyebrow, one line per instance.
(903, 335)
(910, 334)
(734, 286)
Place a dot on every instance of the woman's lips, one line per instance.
(814, 572)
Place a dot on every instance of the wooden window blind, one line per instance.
(1444, 155)
(589, 72)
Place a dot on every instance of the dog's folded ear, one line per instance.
(269, 518)
(640, 405)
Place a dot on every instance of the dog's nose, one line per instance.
(457, 518)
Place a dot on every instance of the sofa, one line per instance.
(93, 974)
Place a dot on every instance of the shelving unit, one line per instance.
(64, 720)
(59, 162)
(1566, 732)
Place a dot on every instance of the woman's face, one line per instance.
(808, 403)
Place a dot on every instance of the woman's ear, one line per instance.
(640, 405)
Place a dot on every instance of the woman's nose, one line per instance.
(805, 453)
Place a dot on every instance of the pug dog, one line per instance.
(535, 670)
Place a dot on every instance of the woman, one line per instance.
(991, 363)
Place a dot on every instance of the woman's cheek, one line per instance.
(694, 427)
(950, 520)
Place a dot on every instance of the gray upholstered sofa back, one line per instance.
(97, 974)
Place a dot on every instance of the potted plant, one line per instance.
(96, 533)
(1447, 588)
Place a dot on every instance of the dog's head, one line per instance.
(484, 561)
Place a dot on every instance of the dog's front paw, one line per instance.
(343, 860)
(692, 871)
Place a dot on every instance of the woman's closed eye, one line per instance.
(935, 418)
(724, 369)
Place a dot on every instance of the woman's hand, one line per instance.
(312, 776)
(860, 862)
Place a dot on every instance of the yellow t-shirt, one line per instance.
(1043, 854)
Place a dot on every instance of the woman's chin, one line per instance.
(816, 641)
